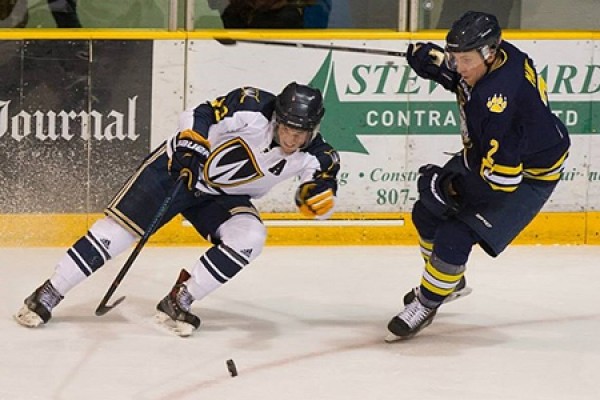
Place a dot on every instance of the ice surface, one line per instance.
(308, 323)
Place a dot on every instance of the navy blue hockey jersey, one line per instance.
(509, 132)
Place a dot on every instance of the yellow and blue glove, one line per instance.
(315, 199)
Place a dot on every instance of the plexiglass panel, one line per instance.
(84, 14)
(514, 14)
(298, 14)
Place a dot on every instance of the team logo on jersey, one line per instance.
(231, 164)
(497, 103)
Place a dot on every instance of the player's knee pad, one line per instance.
(245, 234)
(113, 238)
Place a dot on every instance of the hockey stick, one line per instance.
(104, 307)
(231, 42)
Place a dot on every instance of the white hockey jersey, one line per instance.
(244, 158)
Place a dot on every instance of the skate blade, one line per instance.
(391, 338)
(464, 292)
(179, 328)
(28, 318)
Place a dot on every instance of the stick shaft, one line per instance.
(317, 46)
(103, 308)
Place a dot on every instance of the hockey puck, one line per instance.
(231, 368)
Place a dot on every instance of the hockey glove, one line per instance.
(315, 198)
(427, 60)
(190, 152)
(436, 192)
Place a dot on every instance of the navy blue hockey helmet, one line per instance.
(474, 31)
(301, 107)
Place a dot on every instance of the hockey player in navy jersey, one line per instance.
(513, 153)
(229, 151)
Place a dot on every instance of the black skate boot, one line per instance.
(38, 306)
(174, 310)
(460, 290)
(410, 321)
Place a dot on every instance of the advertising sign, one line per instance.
(386, 122)
(78, 116)
(74, 122)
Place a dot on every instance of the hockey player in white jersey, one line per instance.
(229, 151)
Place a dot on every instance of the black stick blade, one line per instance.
(104, 308)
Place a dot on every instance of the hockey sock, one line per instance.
(438, 281)
(217, 266)
(103, 241)
(426, 248)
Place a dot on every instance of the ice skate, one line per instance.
(37, 309)
(461, 290)
(174, 309)
(410, 321)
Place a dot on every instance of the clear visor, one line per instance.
(450, 60)
(450, 57)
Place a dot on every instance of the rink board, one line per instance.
(285, 229)
(80, 109)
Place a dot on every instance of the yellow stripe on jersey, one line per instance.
(500, 182)
(505, 178)
(112, 209)
(194, 136)
(219, 108)
(507, 170)
(530, 73)
(551, 173)
(245, 210)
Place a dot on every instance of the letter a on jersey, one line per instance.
(231, 164)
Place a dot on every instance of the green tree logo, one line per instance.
(345, 120)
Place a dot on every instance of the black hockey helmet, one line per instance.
(301, 107)
(474, 31)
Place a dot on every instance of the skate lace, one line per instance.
(414, 314)
(48, 296)
(184, 299)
